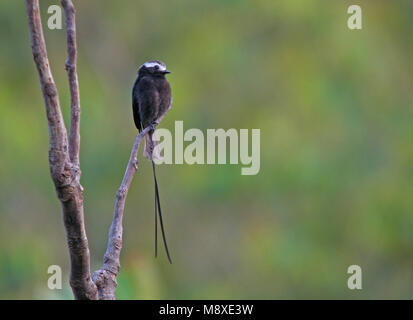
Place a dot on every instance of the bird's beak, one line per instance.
(167, 71)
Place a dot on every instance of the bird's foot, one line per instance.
(152, 126)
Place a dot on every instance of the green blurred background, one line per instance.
(335, 111)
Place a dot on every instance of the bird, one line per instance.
(151, 101)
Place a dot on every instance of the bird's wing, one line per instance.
(149, 100)
(135, 108)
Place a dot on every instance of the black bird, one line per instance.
(151, 100)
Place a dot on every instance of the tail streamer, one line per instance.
(158, 210)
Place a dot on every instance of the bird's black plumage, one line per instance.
(151, 94)
(151, 100)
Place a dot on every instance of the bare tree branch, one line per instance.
(105, 277)
(57, 130)
(65, 174)
(65, 167)
(74, 133)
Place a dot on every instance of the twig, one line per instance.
(74, 133)
(105, 277)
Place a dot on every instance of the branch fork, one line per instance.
(65, 165)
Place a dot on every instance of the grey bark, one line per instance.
(65, 165)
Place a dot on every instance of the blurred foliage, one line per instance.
(334, 107)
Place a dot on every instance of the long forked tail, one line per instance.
(158, 209)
